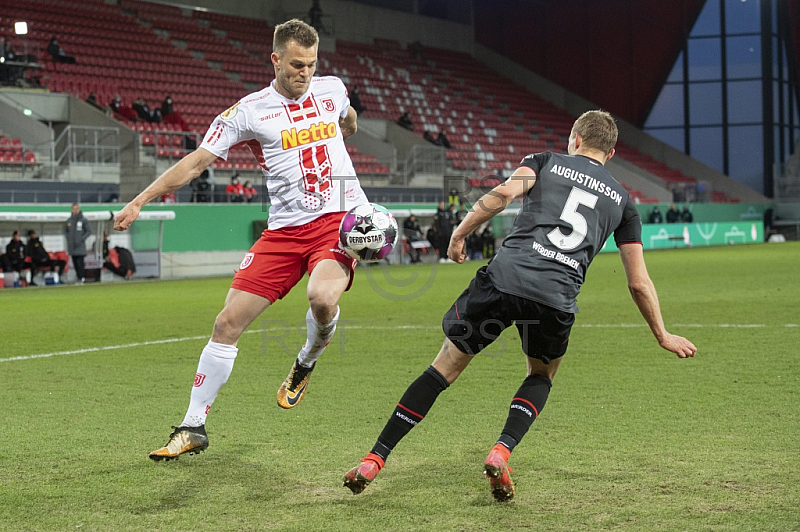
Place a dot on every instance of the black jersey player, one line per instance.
(571, 205)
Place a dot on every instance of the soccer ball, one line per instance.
(368, 232)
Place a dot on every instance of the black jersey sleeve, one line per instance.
(629, 229)
(535, 161)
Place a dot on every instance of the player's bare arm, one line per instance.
(491, 204)
(348, 124)
(644, 295)
(174, 178)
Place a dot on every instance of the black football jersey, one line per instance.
(565, 220)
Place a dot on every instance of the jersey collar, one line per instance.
(289, 100)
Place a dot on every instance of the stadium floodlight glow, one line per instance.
(27, 112)
(21, 28)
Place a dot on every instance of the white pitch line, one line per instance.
(346, 326)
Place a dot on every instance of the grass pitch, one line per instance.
(632, 438)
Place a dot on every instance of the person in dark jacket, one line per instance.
(673, 216)
(655, 216)
(77, 230)
(413, 233)
(15, 253)
(57, 53)
(120, 262)
(40, 258)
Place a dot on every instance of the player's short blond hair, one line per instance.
(294, 30)
(597, 129)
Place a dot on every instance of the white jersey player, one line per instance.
(296, 129)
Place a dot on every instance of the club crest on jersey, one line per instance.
(247, 261)
(328, 104)
(198, 380)
(231, 112)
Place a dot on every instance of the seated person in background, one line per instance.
(673, 216)
(5, 265)
(441, 140)
(235, 191)
(92, 100)
(40, 258)
(58, 55)
(201, 188)
(355, 101)
(8, 73)
(122, 110)
(686, 216)
(655, 216)
(118, 260)
(15, 253)
(145, 113)
(405, 121)
(6, 51)
(250, 192)
(169, 116)
(169, 197)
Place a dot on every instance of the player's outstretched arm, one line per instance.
(349, 124)
(174, 178)
(491, 204)
(644, 295)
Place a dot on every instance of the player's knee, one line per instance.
(323, 304)
(226, 330)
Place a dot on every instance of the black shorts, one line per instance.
(482, 312)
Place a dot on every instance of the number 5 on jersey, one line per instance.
(571, 215)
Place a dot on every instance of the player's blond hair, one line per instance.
(597, 129)
(294, 30)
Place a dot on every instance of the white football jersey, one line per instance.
(298, 145)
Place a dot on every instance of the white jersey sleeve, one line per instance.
(227, 130)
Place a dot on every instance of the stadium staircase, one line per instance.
(206, 61)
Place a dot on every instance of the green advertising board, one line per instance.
(667, 236)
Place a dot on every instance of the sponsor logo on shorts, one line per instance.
(198, 380)
(247, 261)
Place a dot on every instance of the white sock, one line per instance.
(317, 338)
(213, 370)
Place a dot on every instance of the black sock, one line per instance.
(411, 409)
(528, 402)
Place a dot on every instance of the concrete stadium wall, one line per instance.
(356, 22)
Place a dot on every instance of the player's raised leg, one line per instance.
(215, 366)
(525, 407)
(412, 408)
(328, 281)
